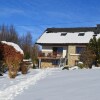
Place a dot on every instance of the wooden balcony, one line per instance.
(53, 55)
(51, 60)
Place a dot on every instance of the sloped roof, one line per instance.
(53, 36)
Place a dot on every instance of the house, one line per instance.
(62, 46)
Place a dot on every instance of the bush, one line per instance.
(3, 67)
(80, 65)
(10, 57)
(35, 66)
(87, 57)
(23, 68)
(66, 67)
(12, 72)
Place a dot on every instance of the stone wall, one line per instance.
(46, 64)
(72, 56)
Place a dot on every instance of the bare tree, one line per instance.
(26, 44)
(4, 33)
(34, 53)
(13, 35)
(87, 57)
(8, 34)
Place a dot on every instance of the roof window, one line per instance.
(63, 34)
(81, 34)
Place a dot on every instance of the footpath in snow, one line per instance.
(52, 84)
(17, 88)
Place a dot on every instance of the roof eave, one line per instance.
(60, 44)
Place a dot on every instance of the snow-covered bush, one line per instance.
(80, 65)
(12, 55)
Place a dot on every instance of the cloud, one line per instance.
(58, 14)
(10, 11)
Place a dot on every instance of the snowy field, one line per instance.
(52, 84)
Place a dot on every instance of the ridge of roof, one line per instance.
(75, 29)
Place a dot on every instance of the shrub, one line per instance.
(11, 57)
(80, 65)
(87, 57)
(24, 68)
(12, 72)
(66, 67)
(34, 67)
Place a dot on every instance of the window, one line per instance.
(57, 50)
(60, 50)
(81, 34)
(79, 49)
(63, 34)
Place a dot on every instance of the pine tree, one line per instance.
(98, 51)
(94, 45)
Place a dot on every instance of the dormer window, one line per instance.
(81, 34)
(63, 34)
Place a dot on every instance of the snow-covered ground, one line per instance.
(52, 84)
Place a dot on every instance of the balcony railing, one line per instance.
(50, 55)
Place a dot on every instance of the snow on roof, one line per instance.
(17, 48)
(70, 37)
(98, 36)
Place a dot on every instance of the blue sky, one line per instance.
(37, 15)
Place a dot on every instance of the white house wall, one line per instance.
(64, 52)
(46, 48)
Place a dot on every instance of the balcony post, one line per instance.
(39, 63)
(60, 62)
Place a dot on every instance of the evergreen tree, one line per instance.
(91, 55)
(94, 45)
